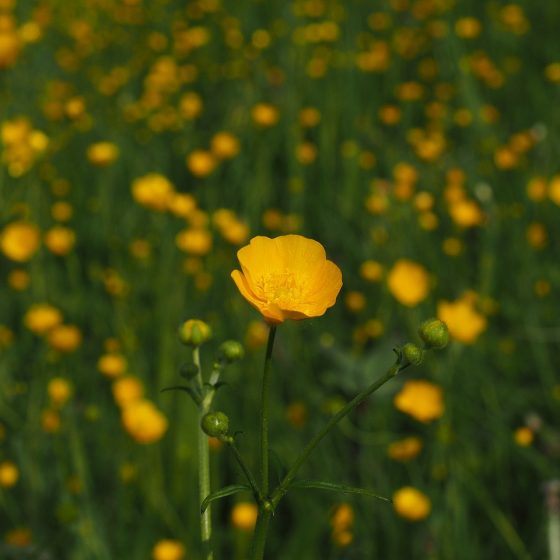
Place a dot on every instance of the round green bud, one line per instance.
(215, 424)
(434, 333)
(413, 353)
(194, 332)
(231, 351)
(188, 371)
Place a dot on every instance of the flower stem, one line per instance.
(261, 529)
(351, 405)
(263, 519)
(248, 474)
(264, 412)
(203, 468)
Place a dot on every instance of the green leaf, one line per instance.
(194, 395)
(222, 493)
(320, 485)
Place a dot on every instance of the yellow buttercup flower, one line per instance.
(153, 191)
(288, 277)
(411, 504)
(405, 449)
(127, 390)
(60, 240)
(144, 422)
(112, 364)
(9, 474)
(41, 318)
(19, 241)
(102, 154)
(59, 390)
(244, 516)
(408, 282)
(464, 322)
(420, 399)
(65, 338)
(168, 550)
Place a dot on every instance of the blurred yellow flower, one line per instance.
(19, 241)
(224, 145)
(60, 240)
(112, 364)
(372, 271)
(201, 163)
(342, 520)
(102, 154)
(153, 191)
(50, 421)
(552, 72)
(59, 390)
(405, 449)
(244, 516)
(61, 211)
(19, 279)
(355, 301)
(64, 338)
(464, 322)
(265, 114)
(287, 277)
(144, 422)
(537, 235)
(468, 27)
(554, 189)
(19, 537)
(41, 318)
(190, 105)
(10, 46)
(411, 504)
(309, 117)
(524, 436)
(256, 336)
(466, 213)
(9, 474)
(127, 390)
(408, 282)
(168, 550)
(420, 399)
(195, 241)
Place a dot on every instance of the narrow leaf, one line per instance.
(222, 493)
(320, 485)
(194, 395)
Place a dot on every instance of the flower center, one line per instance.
(281, 288)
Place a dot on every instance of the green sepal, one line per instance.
(222, 493)
(333, 487)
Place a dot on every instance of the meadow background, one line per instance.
(144, 142)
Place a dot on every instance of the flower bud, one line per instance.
(194, 332)
(231, 351)
(188, 371)
(413, 353)
(215, 424)
(434, 333)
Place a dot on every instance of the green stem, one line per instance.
(203, 468)
(261, 529)
(264, 412)
(351, 405)
(248, 474)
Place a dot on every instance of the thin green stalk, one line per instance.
(264, 412)
(203, 469)
(248, 474)
(351, 405)
(261, 530)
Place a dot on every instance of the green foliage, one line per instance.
(392, 135)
